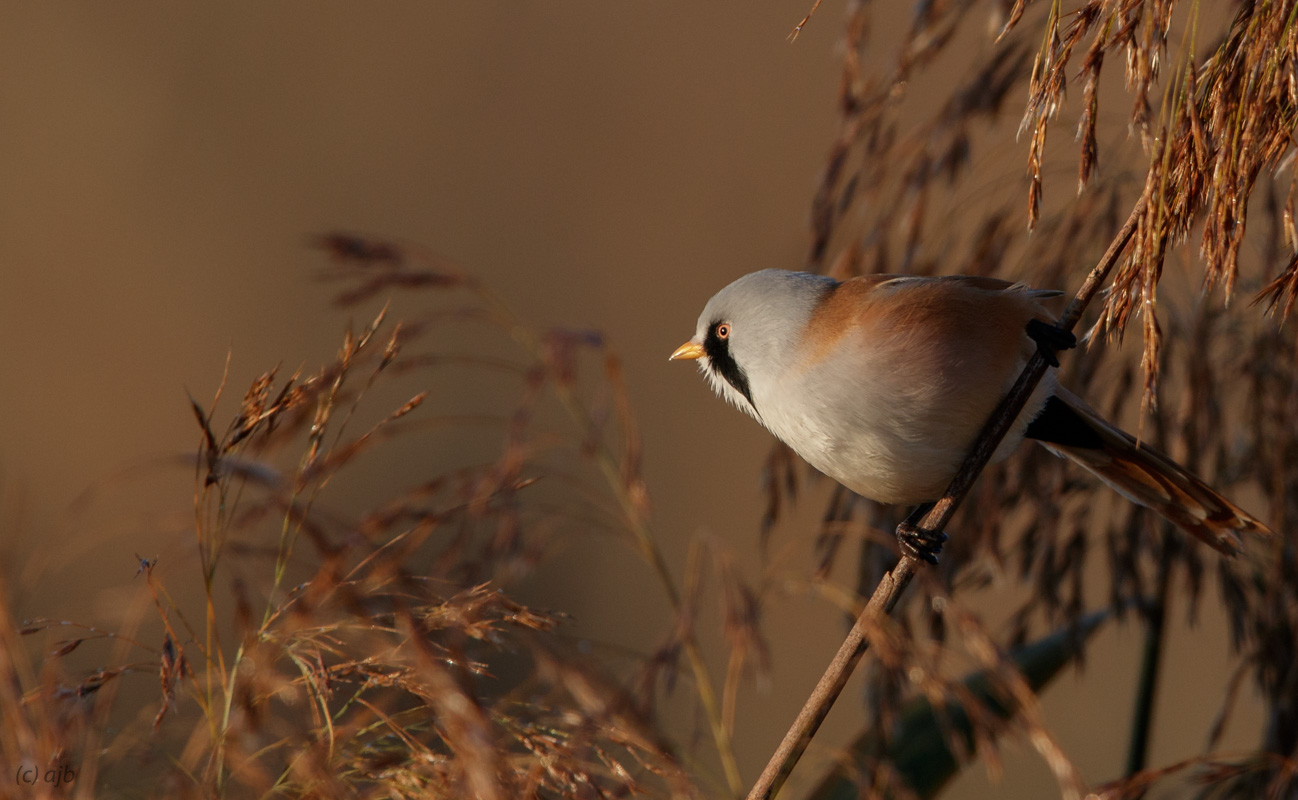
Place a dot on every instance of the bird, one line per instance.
(884, 382)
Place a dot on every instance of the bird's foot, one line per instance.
(918, 542)
(1050, 340)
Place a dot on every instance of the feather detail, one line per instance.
(951, 307)
(1142, 474)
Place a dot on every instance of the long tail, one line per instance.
(1068, 427)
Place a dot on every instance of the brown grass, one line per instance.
(382, 655)
(357, 657)
(915, 182)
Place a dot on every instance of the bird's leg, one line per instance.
(917, 541)
(1050, 340)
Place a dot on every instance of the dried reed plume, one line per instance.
(913, 183)
(380, 654)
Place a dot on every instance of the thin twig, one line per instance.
(890, 589)
(798, 28)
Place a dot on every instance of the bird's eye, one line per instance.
(723, 331)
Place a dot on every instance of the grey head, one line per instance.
(748, 330)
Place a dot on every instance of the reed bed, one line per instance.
(383, 654)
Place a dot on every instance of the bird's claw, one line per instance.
(1050, 340)
(920, 543)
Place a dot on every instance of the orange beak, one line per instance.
(689, 350)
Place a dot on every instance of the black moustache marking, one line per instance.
(718, 352)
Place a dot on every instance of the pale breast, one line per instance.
(890, 398)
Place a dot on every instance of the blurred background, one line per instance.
(600, 165)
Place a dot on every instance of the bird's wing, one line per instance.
(978, 282)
